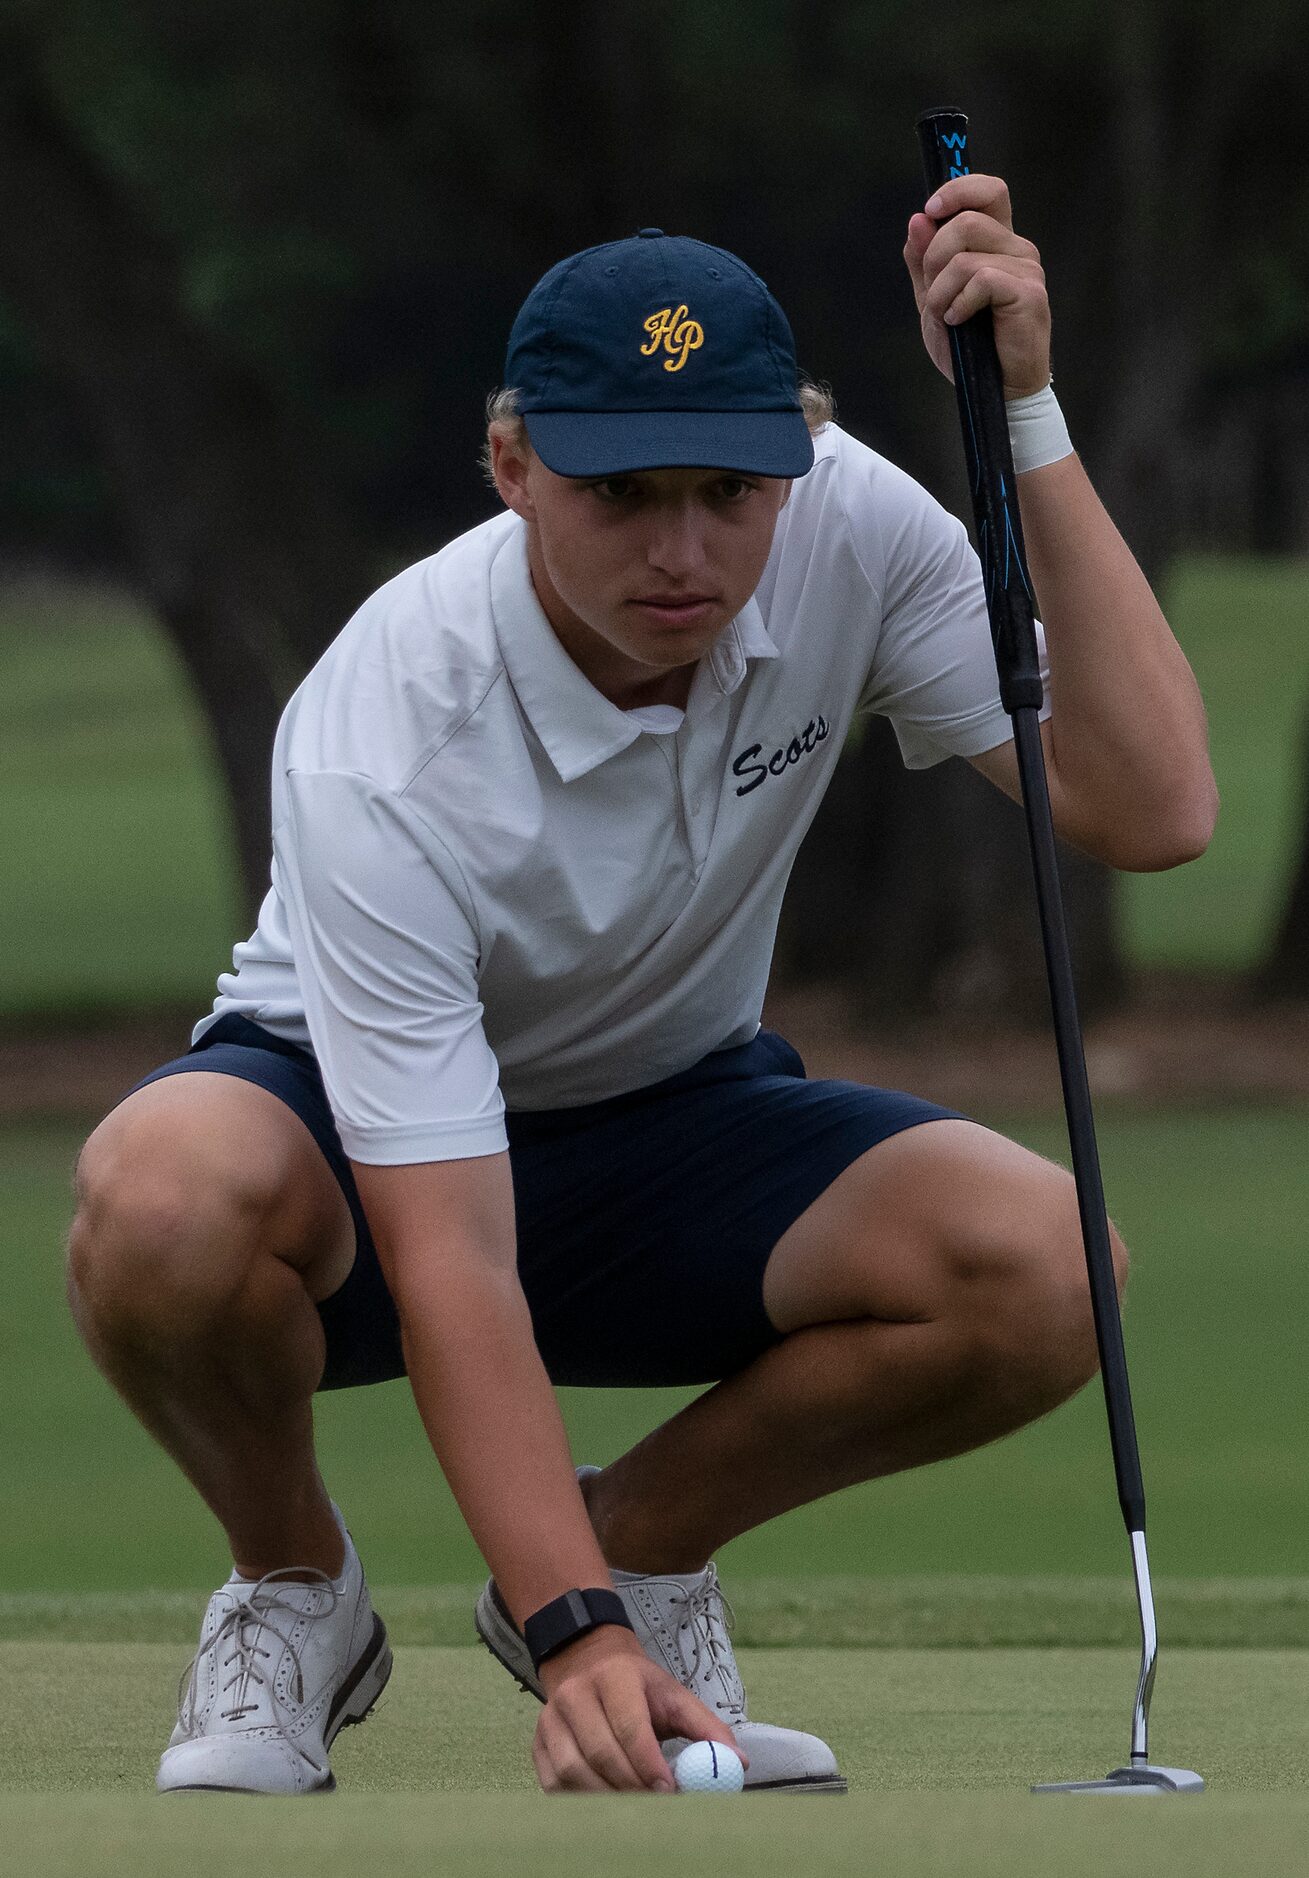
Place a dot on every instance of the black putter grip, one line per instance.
(979, 387)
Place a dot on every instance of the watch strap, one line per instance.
(565, 1619)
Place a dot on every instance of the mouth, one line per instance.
(685, 609)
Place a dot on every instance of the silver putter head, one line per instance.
(1144, 1777)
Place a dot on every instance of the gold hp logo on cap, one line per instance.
(678, 335)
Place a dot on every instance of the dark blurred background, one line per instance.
(258, 260)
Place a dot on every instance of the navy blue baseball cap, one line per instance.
(653, 353)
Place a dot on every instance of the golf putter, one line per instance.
(944, 138)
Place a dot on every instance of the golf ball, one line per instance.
(708, 1767)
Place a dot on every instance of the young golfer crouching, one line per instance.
(485, 1099)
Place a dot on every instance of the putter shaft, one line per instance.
(943, 137)
(1091, 1202)
(1149, 1649)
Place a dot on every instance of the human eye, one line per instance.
(734, 489)
(614, 488)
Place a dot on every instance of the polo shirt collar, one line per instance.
(745, 637)
(578, 726)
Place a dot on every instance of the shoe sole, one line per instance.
(357, 1695)
(810, 1783)
(497, 1632)
(352, 1703)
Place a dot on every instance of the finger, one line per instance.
(605, 1752)
(675, 1711)
(1006, 281)
(973, 233)
(989, 285)
(566, 1761)
(919, 239)
(545, 1772)
(632, 1728)
(988, 193)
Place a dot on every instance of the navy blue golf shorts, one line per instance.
(644, 1222)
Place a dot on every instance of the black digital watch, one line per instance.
(565, 1619)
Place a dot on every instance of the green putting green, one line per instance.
(939, 1747)
(900, 1720)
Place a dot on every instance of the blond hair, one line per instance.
(504, 419)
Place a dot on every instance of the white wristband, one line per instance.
(1037, 430)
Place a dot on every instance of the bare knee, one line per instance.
(1046, 1329)
(957, 1226)
(157, 1236)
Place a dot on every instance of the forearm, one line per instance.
(445, 1236)
(1129, 765)
(493, 1421)
(1126, 753)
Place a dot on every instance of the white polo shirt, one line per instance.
(492, 886)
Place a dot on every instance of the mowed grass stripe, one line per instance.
(785, 1613)
(96, 1716)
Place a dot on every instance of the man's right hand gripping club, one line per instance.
(444, 1233)
(608, 1707)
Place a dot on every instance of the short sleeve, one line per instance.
(933, 672)
(386, 954)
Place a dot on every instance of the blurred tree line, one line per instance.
(258, 261)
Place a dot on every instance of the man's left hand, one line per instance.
(962, 254)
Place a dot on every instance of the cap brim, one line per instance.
(615, 443)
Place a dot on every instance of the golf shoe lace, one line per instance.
(248, 1618)
(711, 1619)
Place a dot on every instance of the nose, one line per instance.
(676, 544)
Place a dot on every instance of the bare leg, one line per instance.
(935, 1298)
(207, 1225)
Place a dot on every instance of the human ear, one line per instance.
(510, 463)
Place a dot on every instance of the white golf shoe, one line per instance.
(284, 1664)
(682, 1623)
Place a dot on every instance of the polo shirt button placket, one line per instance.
(696, 822)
